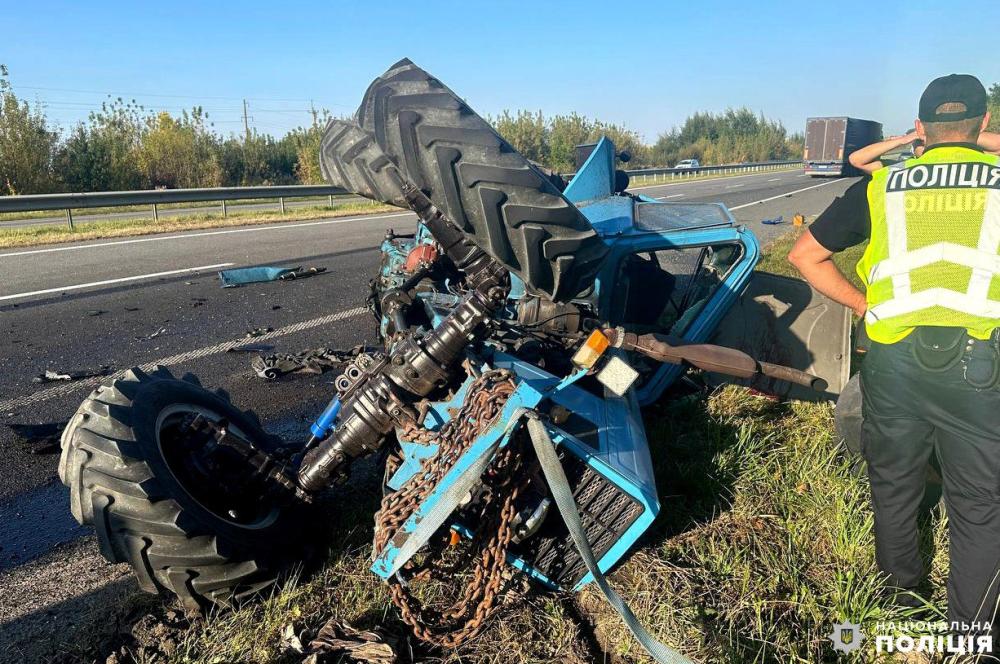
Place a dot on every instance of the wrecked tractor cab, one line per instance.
(525, 323)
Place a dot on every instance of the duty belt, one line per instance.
(939, 349)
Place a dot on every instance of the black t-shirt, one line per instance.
(847, 221)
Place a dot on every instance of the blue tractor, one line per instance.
(525, 322)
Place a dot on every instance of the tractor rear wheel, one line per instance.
(132, 476)
(848, 421)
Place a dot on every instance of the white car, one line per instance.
(688, 163)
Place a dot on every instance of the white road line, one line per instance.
(660, 198)
(161, 238)
(774, 198)
(734, 186)
(774, 180)
(153, 275)
(180, 358)
(803, 175)
(697, 181)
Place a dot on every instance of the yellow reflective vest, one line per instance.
(934, 254)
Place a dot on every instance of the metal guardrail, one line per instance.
(155, 197)
(722, 168)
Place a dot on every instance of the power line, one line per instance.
(152, 94)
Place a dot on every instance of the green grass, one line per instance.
(774, 257)
(764, 540)
(36, 235)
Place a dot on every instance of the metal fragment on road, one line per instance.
(313, 361)
(259, 332)
(52, 376)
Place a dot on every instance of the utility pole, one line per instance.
(246, 122)
(312, 109)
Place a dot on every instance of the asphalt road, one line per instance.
(157, 299)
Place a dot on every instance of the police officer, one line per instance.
(932, 310)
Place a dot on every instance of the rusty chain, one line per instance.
(487, 551)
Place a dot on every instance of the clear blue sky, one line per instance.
(647, 67)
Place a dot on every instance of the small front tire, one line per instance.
(126, 480)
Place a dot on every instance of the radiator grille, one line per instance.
(606, 511)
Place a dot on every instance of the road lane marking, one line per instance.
(161, 238)
(670, 196)
(775, 180)
(774, 198)
(700, 181)
(733, 186)
(68, 388)
(120, 280)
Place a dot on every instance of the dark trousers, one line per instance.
(909, 413)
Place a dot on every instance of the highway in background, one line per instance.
(128, 301)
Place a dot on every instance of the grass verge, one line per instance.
(37, 235)
(763, 542)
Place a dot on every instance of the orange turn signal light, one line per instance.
(591, 350)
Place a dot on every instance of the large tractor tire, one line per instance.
(848, 421)
(125, 464)
(509, 208)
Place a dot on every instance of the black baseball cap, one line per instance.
(953, 89)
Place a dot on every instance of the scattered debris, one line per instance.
(302, 273)
(157, 333)
(338, 641)
(43, 438)
(313, 361)
(259, 273)
(198, 301)
(798, 220)
(131, 308)
(290, 639)
(251, 348)
(774, 222)
(96, 312)
(51, 376)
(259, 332)
(275, 307)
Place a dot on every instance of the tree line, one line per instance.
(734, 136)
(123, 146)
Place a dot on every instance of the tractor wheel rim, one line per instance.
(224, 503)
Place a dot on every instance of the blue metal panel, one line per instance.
(621, 456)
(596, 178)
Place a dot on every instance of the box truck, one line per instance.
(830, 141)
